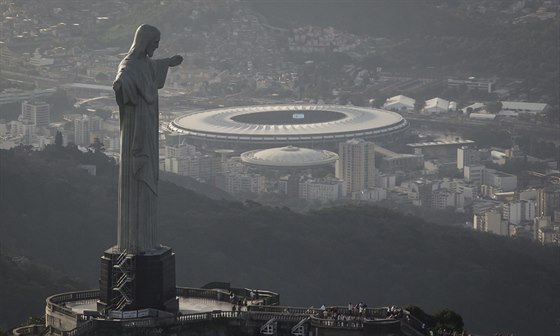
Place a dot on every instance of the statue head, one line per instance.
(146, 41)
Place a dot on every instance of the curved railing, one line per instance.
(200, 293)
(332, 323)
(414, 323)
(266, 310)
(32, 329)
(55, 303)
(246, 315)
(265, 297)
(343, 310)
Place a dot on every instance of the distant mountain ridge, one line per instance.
(55, 213)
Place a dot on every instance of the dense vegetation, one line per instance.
(58, 215)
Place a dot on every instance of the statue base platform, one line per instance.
(138, 281)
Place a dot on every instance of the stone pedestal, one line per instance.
(147, 279)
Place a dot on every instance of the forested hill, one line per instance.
(55, 213)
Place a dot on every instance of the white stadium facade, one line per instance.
(265, 126)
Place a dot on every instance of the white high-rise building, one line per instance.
(520, 211)
(181, 151)
(467, 157)
(491, 221)
(81, 131)
(356, 165)
(323, 190)
(95, 124)
(36, 112)
(474, 174)
(480, 175)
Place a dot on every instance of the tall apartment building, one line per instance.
(548, 202)
(37, 112)
(81, 131)
(95, 123)
(244, 183)
(491, 221)
(467, 157)
(180, 151)
(356, 165)
(445, 198)
(520, 211)
(323, 190)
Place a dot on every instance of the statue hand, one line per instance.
(175, 60)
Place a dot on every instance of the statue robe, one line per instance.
(137, 98)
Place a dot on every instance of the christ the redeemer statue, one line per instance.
(136, 90)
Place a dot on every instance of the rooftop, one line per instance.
(289, 156)
(440, 143)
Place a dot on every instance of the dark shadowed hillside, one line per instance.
(57, 214)
(24, 285)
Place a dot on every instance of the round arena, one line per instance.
(263, 126)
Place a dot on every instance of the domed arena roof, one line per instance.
(289, 156)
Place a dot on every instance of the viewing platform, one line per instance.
(213, 311)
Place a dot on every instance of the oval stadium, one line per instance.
(262, 126)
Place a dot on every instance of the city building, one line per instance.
(437, 105)
(180, 151)
(400, 103)
(440, 148)
(549, 235)
(403, 162)
(385, 181)
(473, 108)
(392, 161)
(499, 181)
(374, 194)
(474, 174)
(548, 201)
(491, 221)
(323, 190)
(525, 107)
(356, 165)
(37, 112)
(420, 191)
(445, 198)
(520, 211)
(244, 183)
(467, 156)
(472, 83)
(81, 130)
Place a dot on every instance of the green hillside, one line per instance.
(55, 213)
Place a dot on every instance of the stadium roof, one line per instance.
(350, 122)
